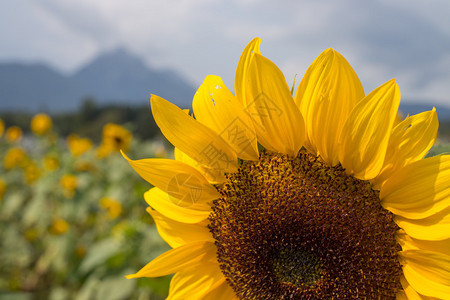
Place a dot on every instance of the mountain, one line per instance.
(119, 76)
(31, 87)
(116, 76)
(112, 77)
(442, 111)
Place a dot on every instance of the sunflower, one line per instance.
(41, 124)
(2, 188)
(15, 157)
(13, 134)
(114, 138)
(78, 145)
(69, 184)
(2, 127)
(317, 196)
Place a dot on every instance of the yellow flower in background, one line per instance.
(2, 127)
(339, 202)
(103, 151)
(114, 138)
(112, 206)
(82, 166)
(32, 173)
(77, 145)
(2, 188)
(13, 134)
(15, 157)
(69, 183)
(59, 226)
(41, 124)
(31, 234)
(51, 162)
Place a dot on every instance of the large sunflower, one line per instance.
(318, 196)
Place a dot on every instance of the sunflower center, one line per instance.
(297, 267)
(118, 140)
(296, 228)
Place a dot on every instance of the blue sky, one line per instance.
(382, 39)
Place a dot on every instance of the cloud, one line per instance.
(381, 39)
(81, 18)
(30, 32)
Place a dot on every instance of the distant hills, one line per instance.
(114, 77)
(443, 112)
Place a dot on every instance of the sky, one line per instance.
(382, 39)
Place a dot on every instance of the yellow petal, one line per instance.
(410, 141)
(427, 272)
(410, 243)
(212, 175)
(182, 157)
(366, 133)
(409, 293)
(193, 138)
(434, 228)
(166, 206)
(220, 291)
(177, 259)
(278, 122)
(241, 76)
(420, 189)
(217, 108)
(326, 95)
(177, 234)
(402, 296)
(193, 283)
(179, 180)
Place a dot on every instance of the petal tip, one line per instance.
(124, 155)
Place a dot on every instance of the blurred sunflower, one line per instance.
(111, 206)
(31, 234)
(337, 203)
(69, 184)
(15, 157)
(41, 124)
(2, 189)
(59, 226)
(78, 145)
(13, 134)
(32, 172)
(2, 127)
(114, 139)
(51, 162)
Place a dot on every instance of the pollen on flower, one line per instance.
(295, 228)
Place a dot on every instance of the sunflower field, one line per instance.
(72, 216)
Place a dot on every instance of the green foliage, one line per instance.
(67, 244)
(439, 148)
(90, 118)
(444, 130)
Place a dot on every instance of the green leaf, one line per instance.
(99, 253)
(116, 288)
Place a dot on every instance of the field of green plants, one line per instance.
(72, 215)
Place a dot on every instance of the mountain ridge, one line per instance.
(112, 77)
